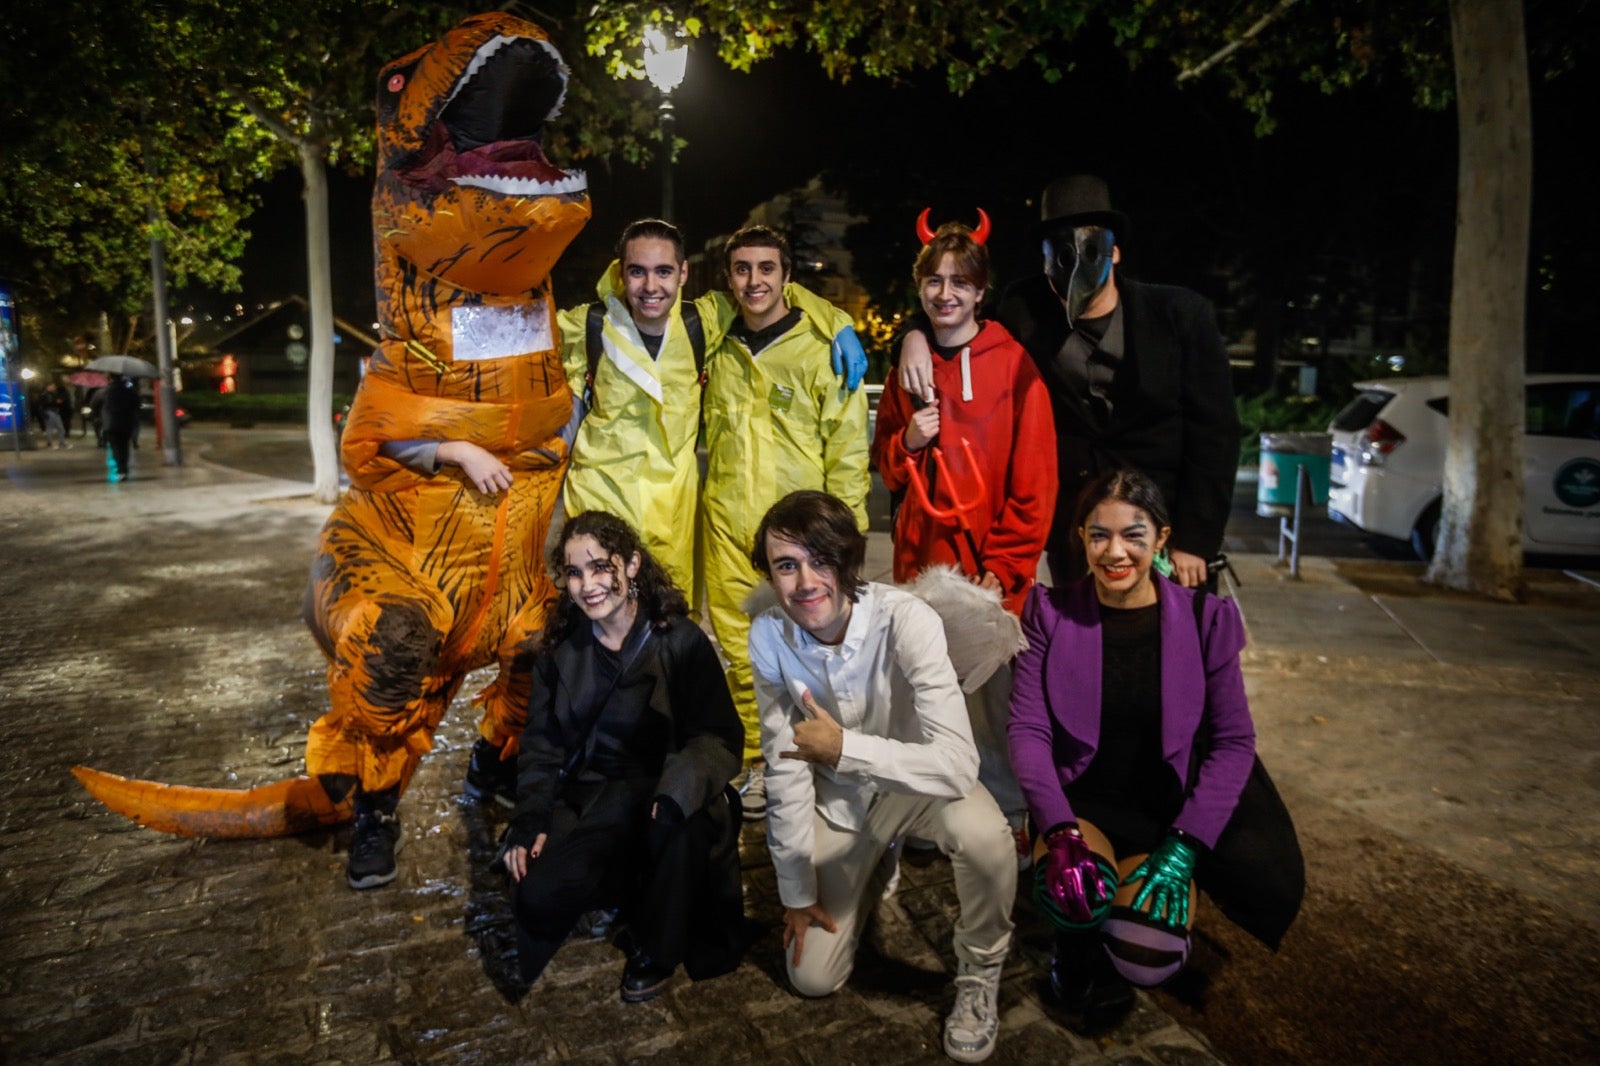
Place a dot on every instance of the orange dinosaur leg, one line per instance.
(385, 633)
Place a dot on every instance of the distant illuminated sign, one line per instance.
(11, 403)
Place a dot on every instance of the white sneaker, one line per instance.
(751, 785)
(974, 1022)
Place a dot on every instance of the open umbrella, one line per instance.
(88, 379)
(130, 365)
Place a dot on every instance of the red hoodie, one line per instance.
(1004, 414)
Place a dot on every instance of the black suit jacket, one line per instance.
(1173, 413)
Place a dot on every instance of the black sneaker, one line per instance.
(372, 850)
(491, 778)
(643, 980)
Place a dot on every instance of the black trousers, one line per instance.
(670, 882)
(118, 443)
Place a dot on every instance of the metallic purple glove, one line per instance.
(1071, 878)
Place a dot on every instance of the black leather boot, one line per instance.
(491, 778)
(1085, 985)
(644, 979)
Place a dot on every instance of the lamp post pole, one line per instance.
(666, 157)
(665, 63)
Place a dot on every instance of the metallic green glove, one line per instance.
(1166, 872)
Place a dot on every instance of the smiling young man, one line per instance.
(866, 736)
(778, 419)
(635, 358)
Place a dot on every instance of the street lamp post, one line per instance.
(665, 63)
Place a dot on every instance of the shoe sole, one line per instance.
(372, 880)
(961, 1055)
(644, 995)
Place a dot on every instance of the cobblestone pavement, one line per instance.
(151, 629)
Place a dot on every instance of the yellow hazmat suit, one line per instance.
(777, 421)
(635, 451)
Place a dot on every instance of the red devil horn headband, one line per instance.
(979, 235)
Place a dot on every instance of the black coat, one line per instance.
(685, 685)
(121, 408)
(1173, 413)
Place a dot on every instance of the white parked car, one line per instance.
(1388, 462)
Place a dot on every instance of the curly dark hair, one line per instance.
(659, 599)
(1126, 485)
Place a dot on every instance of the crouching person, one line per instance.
(866, 739)
(1133, 742)
(622, 797)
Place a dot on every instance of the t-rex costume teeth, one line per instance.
(418, 577)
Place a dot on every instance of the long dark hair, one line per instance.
(1127, 485)
(825, 527)
(658, 598)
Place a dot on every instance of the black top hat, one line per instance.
(1080, 200)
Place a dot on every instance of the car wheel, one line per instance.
(1425, 535)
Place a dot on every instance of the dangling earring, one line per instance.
(633, 588)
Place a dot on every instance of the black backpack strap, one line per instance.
(697, 338)
(592, 347)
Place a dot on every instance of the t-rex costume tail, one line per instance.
(419, 578)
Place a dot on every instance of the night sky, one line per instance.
(1363, 175)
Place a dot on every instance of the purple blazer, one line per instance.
(1055, 702)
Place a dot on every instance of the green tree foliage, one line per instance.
(1265, 44)
(98, 138)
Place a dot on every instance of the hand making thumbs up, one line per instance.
(819, 739)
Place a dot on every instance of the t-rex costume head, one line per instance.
(419, 578)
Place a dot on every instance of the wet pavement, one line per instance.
(1439, 755)
(152, 629)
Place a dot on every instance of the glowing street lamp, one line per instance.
(665, 63)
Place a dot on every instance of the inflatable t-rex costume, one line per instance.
(420, 578)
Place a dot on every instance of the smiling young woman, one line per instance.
(622, 780)
(1133, 743)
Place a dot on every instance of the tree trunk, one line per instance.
(1480, 532)
(319, 294)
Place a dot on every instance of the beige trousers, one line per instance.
(971, 831)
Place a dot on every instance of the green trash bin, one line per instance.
(1282, 456)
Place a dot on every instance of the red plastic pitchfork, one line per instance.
(959, 508)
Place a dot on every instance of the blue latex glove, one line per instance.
(1166, 872)
(849, 358)
(1071, 877)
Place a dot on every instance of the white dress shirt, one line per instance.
(890, 686)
